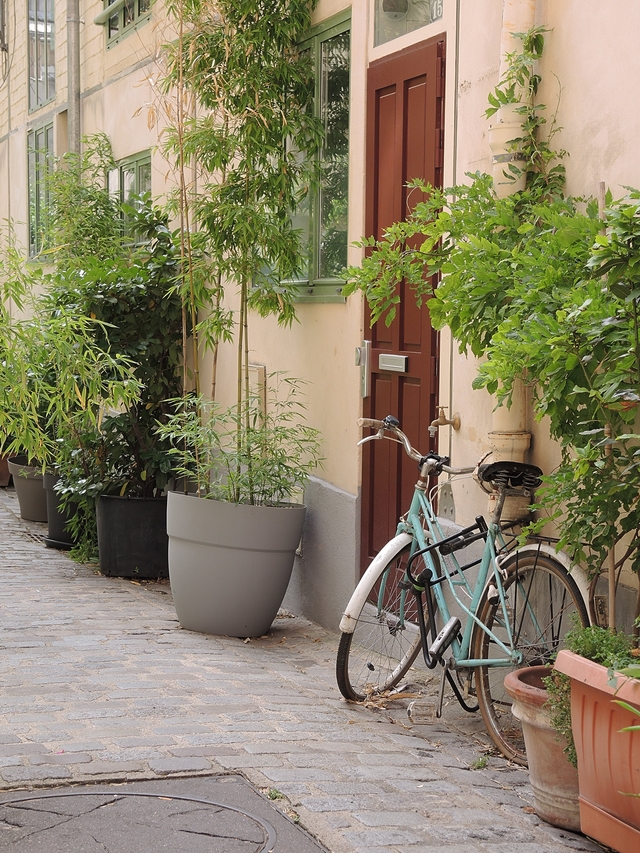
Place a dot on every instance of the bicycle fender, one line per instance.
(356, 602)
(577, 573)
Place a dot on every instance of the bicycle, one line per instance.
(516, 612)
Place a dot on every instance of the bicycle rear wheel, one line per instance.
(542, 602)
(386, 639)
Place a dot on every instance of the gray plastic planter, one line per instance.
(230, 564)
(28, 485)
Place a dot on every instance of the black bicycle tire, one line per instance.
(344, 675)
(493, 702)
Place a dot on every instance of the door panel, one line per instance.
(405, 104)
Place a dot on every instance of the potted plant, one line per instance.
(597, 676)
(231, 555)
(54, 381)
(125, 465)
(255, 87)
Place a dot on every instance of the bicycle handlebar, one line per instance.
(385, 426)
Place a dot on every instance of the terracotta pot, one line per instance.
(553, 778)
(608, 758)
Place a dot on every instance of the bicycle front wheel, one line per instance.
(542, 601)
(386, 639)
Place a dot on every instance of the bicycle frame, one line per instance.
(489, 569)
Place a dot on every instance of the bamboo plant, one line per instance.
(244, 124)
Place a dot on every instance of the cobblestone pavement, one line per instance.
(99, 683)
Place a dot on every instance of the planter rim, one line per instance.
(133, 498)
(596, 675)
(20, 461)
(526, 685)
(283, 505)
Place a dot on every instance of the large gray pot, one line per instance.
(230, 564)
(32, 497)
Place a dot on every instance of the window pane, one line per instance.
(128, 13)
(394, 18)
(33, 74)
(39, 154)
(41, 60)
(143, 6)
(114, 25)
(127, 183)
(144, 178)
(51, 51)
(334, 111)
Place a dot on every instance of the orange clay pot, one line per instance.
(608, 758)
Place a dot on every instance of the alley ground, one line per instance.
(99, 684)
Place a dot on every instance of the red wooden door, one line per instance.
(405, 108)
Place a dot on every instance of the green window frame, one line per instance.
(131, 177)
(42, 52)
(40, 162)
(122, 17)
(323, 220)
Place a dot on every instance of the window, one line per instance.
(42, 53)
(394, 18)
(324, 219)
(40, 160)
(131, 178)
(122, 17)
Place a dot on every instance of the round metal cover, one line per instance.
(127, 822)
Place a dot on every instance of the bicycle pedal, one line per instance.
(445, 637)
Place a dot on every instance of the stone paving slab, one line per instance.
(100, 684)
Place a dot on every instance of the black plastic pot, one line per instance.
(132, 537)
(58, 537)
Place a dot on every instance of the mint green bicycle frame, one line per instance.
(455, 578)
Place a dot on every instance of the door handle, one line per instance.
(363, 359)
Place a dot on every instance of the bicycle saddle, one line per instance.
(510, 475)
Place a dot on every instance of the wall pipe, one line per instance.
(73, 75)
(509, 437)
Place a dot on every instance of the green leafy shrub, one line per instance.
(265, 463)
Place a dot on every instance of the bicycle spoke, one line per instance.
(541, 598)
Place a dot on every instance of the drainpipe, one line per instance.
(509, 437)
(518, 16)
(73, 75)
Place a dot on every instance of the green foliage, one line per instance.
(264, 463)
(558, 686)
(522, 286)
(610, 649)
(133, 297)
(52, 376)
(252, 143)
(519, 86)
(84, 219)
(256, 88)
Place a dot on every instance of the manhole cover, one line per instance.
(179, 815)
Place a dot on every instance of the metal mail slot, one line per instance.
(396, 363)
